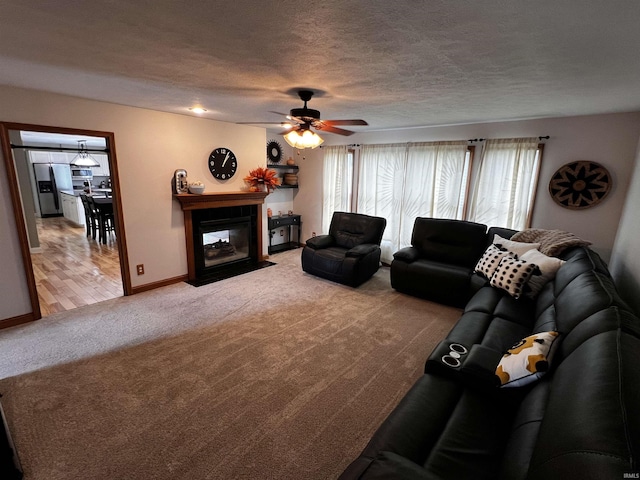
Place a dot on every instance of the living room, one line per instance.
(151, 144)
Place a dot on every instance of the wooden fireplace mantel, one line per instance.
(190, 202)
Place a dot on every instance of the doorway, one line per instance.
(65, 268)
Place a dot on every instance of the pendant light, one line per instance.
(83, 159)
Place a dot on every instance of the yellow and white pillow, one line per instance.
(528, 360)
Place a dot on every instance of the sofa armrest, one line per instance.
(320, 241)
(362, 250)
(473, 366)
(407, 254)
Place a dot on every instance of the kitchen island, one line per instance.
(72, 208)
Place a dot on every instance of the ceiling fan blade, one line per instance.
(344, 122)
(289, 116)
(328, 128)
(284, 124)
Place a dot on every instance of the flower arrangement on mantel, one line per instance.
(262, 176)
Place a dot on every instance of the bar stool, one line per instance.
(105, 218)
(90, 216)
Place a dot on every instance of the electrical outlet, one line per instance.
(140, 269)
(281, 232)
(313, 234)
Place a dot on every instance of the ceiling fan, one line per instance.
(301, 119)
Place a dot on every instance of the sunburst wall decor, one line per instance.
(274, 151)
(579, 185)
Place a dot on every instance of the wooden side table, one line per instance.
(288, 221)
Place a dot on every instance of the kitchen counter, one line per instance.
(98, 192)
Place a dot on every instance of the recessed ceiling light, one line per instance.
(198, 110)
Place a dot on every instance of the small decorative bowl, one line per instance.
(197, 189)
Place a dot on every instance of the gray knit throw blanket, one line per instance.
(552, 242)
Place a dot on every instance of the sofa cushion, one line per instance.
(351, 229)
(527, 360)
(512, 275)
(591, 423)
(431, 279)
(449, 241)
(329, 260)
(455, 433)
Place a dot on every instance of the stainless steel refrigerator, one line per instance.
(50, 179)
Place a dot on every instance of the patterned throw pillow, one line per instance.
(517, 248)
(548, 267)
(512, 275)
(489, 261)
(528, 360)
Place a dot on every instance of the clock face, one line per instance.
(222, 163)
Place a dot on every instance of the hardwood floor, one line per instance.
(73, 270)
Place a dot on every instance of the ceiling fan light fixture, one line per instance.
(302, 139)
(83, 159)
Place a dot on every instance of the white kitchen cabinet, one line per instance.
(72, 208)
(37, 156)
(103, 169)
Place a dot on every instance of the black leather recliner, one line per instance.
(350, 253)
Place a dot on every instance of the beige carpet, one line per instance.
(274, 374)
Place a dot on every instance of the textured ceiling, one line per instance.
(395, 64)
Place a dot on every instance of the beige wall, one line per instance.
(610, 140)
(150, 146)
(625, 261)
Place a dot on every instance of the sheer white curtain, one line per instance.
(403, 181)
(337, 183)
(505, 183)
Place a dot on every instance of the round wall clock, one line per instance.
(578, 185)
(222, 163)
(274, 151)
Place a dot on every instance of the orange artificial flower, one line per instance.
(264, 176)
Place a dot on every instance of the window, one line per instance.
(403, 181)
(505, 183)
(337, 183)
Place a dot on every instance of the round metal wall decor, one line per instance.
(274, 151)
(579, 185)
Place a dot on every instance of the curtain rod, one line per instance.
(483, 139)
(60, 149)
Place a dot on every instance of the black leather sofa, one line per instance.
(579, 421)
(440, 261)
(349, 253)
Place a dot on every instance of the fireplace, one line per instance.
(223, 242)
(223, 233)
(224, 238)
